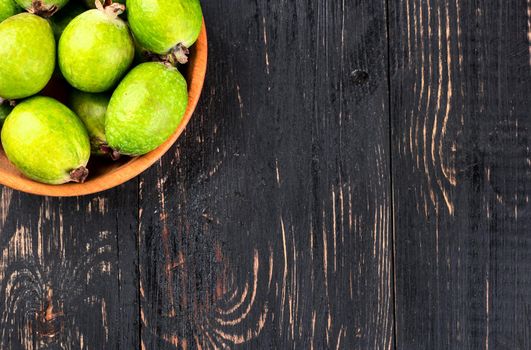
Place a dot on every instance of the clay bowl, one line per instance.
(106, 174)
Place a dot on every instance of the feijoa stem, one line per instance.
(12, 103)
(40, 9)
(79, 175)
(114, 154)
(98, 144)
(113, 10)
(179, 54)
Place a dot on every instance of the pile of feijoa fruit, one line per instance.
(120, 63)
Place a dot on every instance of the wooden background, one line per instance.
(357, 176)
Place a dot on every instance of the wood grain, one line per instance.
(356, 176)
(268, 226)
(67, 275)
(460, 116)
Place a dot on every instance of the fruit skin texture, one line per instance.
(95, 51)
(45, 140)
(146, 108)
(27, 49)
(91, 109)
(160, 25)
(8, 8)
(46, 4)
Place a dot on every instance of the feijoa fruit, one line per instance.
(96, 49)
(91, 109)
(166, 27)
(146, 108)
(46, 141)
(8, 8)
(27, 55)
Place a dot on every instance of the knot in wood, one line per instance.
(359, 77)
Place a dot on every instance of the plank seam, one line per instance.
(391, 182)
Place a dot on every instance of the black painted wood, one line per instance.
(68, 271)
(356, 176)
(268, 226)
(460, 96)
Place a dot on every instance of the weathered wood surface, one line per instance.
(460, 97)
(269, 225)
(356, 176)
(68, 271)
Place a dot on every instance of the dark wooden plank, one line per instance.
(68, 271)
(460, 105)
(268, 226)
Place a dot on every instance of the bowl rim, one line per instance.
(136, 165)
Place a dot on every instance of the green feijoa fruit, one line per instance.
(5, 109)
(91, 109)
(46, 141)
(8, 8)
(145, 109)
(27, 51)
(166, 27)
(96, 49)
(45, 8)
(65, 16)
